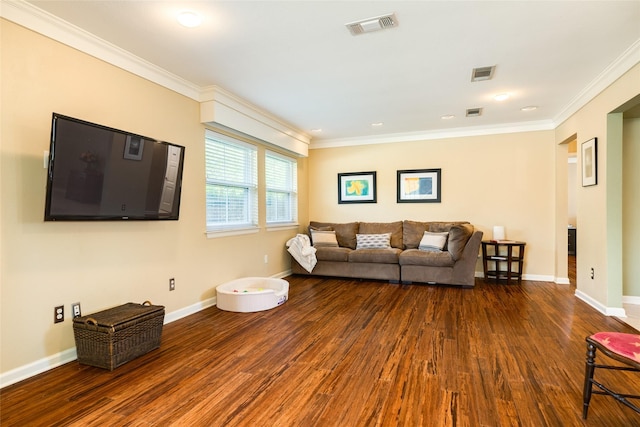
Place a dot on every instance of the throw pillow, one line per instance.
(373, 241)
(433, 242)
(325, 239)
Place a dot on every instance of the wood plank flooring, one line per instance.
(349, 353)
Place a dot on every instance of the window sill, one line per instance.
(279, 227)
(213, 234)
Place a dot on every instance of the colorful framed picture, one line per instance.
(419, 186)
(357, 187)
(590, 162)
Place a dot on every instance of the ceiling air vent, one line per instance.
(474, 112)
(482, 73)
(372, 24)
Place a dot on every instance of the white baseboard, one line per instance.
(627, 299)
(191, 309)
(538, 277)
(531, 277)
(563, 281)
(69, 355)
(39, 366)
(607, 311)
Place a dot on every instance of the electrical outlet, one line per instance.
(592, 273)
(75, 309)
(172, 284)
(58, 314)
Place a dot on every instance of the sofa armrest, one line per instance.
(465, 267)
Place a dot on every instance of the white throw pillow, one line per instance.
(373, 241)
(433, 242)
(325, 239)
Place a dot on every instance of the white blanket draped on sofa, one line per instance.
(301, 250)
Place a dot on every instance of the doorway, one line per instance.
(572, 211)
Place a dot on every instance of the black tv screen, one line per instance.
(99, 173)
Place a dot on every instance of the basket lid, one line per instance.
(120, 314)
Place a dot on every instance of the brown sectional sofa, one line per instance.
(402, 261)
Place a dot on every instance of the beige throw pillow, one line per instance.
(433, 242)
(324, 239)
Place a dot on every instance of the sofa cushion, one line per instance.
(380, 256)
(433, 242)
(431, 259)
(323, 238)
(395, 228)
(459, 235)
(373, 241)
(412, 232)
(345, 233)
(325, 253)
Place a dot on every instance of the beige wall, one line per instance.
(488, 180)
(594, 204)
(505, 180)
(631, 207)
(100, 264)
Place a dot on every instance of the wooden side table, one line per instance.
(502, 260)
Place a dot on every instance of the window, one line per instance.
(231, 183)
(281, 180)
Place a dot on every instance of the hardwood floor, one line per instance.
(349, 353)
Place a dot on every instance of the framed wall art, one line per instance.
(357, 187)
(133, 148)
(419, 186)
(590, 162)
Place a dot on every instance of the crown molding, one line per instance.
(42, 22)
(436, 134)
(627, 60)
(219, 107)
(241, 105)
(35, 19)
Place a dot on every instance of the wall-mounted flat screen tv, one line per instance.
(99, 173)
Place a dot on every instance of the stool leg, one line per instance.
(590, 367)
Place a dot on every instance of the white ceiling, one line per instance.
(297, 60)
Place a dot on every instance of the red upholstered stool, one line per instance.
(624, 348)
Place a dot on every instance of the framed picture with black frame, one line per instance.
(590, 162)
(357, 187)
(419, 186)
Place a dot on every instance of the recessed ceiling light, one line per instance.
(447, 117)
(529, 108)
(189, 19)
(316, 130)
(501, 97)
(377, 124)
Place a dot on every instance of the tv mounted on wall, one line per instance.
(99, 173)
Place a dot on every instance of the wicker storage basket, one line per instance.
(110, 338)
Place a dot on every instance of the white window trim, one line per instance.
(293, 223)
(214, 234)
(236, 229)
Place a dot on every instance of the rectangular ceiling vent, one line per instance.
(482, 73)
(474, 112)
(372, 24)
